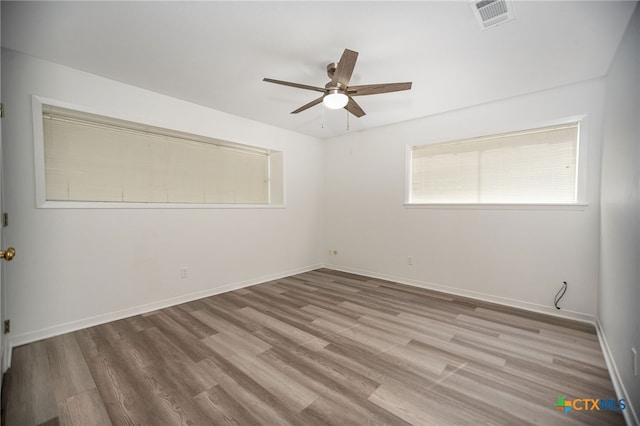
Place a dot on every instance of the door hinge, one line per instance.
(1, 110)
(7, 326)
(5, 220)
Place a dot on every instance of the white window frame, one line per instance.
(275, 200)
(581, 166)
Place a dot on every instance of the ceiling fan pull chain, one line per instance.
(347, 119)
(323, 116)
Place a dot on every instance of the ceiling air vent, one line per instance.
(490, 13)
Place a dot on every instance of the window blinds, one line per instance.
(93, 158)
(528, 167)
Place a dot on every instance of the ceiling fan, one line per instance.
(337, 93)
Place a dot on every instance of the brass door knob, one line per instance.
(8, 254)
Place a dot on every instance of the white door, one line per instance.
(7, 255)
(3, 336)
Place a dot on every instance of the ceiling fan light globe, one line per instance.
(335, 100)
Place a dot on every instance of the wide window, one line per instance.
(537, 166)
(92, 158)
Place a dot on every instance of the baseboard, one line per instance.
(533, 307)
(630, 414)
(21, 339)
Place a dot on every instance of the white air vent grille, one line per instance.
(490, 13)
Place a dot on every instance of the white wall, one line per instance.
(619, 296)
(76, 267)
(515, 256)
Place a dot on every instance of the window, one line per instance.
(537, 166)
(92, 158)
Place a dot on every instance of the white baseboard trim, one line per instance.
(563, 313)
(56, 330)
(630, 414)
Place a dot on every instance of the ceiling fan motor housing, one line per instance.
(333, 86)
(331, 69)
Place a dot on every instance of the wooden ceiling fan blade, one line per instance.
(354, 108)
(297, 85)
(375, 89)
(345, 67)
(309, 105)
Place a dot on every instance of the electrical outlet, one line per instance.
(184, 273)
(410, 260)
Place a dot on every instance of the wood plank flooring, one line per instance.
(319, 348)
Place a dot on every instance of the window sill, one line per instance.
(120, 205)
(497, 206)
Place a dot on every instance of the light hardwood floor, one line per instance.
(323, 347)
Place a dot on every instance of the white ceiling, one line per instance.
(216, 53)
